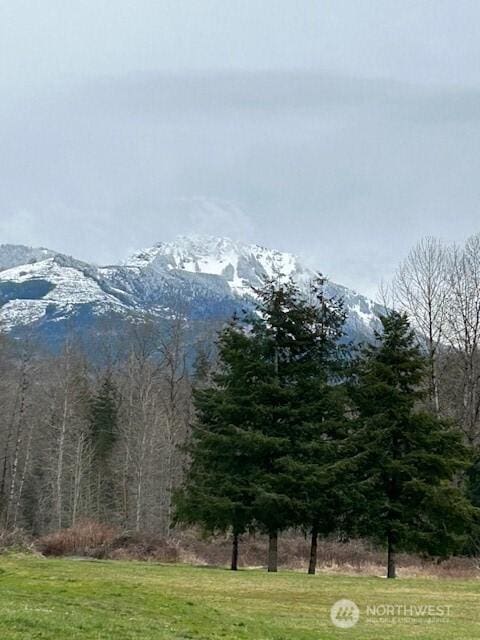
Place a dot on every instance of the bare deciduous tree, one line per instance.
(463, 332)
(421, 288)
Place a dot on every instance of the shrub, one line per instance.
(143, 546)
(86, 538)
(96, 540)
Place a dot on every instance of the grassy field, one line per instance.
(70, 599)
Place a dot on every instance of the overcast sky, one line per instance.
(341, 130)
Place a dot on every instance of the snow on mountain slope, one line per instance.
(14, 255)
(30, 290)
(241, 265)
(205, 277)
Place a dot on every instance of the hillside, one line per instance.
(202, 278)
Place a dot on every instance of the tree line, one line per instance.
(100, 438)
(295, 430)
(283, 424)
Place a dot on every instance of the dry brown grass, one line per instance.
(141, 546)
(86, 538)
(352, 557)
(93, 539)
(96, 540)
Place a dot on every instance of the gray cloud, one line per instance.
(116, 149)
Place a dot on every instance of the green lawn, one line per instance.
(69, 599)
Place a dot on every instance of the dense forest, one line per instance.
(94, 439)
(279, 425)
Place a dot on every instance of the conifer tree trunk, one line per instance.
(273, 552)
(391, 553)
(234, 565)
(312, 567)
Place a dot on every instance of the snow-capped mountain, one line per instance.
(241, 265)
(51, 287)
(203, 278)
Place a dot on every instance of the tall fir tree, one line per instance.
(404, 461)
(103, 435)
(265, 444)
(280, 335)
(319, 481)
(220, 484)
(304, 408)
(104, 418)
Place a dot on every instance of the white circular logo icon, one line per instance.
(344, 614)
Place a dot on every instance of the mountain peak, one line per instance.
(240, 263)
(208, 277)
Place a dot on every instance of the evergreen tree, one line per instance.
(220, 484)
(404, 460)
(201, 366)
(320, 484)
(264, 445)
(301, 408)
(104, 418)
(277, 328)
(472, 492)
